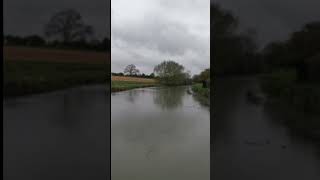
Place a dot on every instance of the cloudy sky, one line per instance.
(29, 16)
(273, 19)
(146, 32)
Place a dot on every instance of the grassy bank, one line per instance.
(34, 70)
(28, 77)
(122, 83)
(198, 89)
(202, 94)
(283, 85)
(301, 98)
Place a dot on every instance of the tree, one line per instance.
(151, 75)
(106, 44)
(203, 76)
(233, 52)
(170, 73)
(34, 40)
(68, 25)
(131, 70)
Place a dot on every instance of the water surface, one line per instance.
(159, 133)
(60, 135)
(249, 142)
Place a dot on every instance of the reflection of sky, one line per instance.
(151, 138)
(29, 17)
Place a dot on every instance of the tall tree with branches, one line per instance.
(68, 25)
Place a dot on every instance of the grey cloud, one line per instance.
(172, 38)
(165, 30)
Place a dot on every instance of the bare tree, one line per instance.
(131, 70)
(68, 25)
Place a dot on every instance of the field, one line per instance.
(35, 70)
(54, 55)
(121, 83)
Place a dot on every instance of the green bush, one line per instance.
(198, 89)
(278, 84)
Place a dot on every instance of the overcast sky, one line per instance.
(29, 16)
(146, 32)
(273, 19)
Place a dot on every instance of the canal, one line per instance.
(250, 142)
(159, 133)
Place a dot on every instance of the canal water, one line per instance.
(250, 142)
(159, 133)
(61, 135)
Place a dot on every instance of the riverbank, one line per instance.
(123, 83)
(203, 94)
(302, 98)
(30, 77)
(198, 89)
(35, 70)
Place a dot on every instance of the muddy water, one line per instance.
(159, 133)
(249, 142)
(61, 135)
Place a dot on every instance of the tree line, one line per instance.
(301, 52)
(167, 72)
(65, 29)
(235, 52)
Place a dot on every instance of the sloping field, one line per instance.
(122, 83)
(132, 79)
(34, 70)
(54, 55)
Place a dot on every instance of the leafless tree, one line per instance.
(68, 25)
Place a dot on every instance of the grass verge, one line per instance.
(127, 85)
(28, 77)
(198, 89)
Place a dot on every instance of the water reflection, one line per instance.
(203, 101)
(59, 135)
(169, 98)
(132, 95)
(252, 142)
(164, 135)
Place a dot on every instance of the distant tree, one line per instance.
(106, 44)
(34, 40)
(131, 70)
(223, 23)
(151, 75)
(14, 40)
(301, 45)
(170, 73)
(233, 52)
(68, 25)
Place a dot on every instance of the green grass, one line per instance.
(279, 83)
(127, 85)
(198, 89)
(300, 98)
(27, 77)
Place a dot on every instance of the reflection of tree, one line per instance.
(203, 101)
(132, 95)
(169, 98)
(151, 132)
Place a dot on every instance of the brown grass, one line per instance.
(54, 55)
(132, 79)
